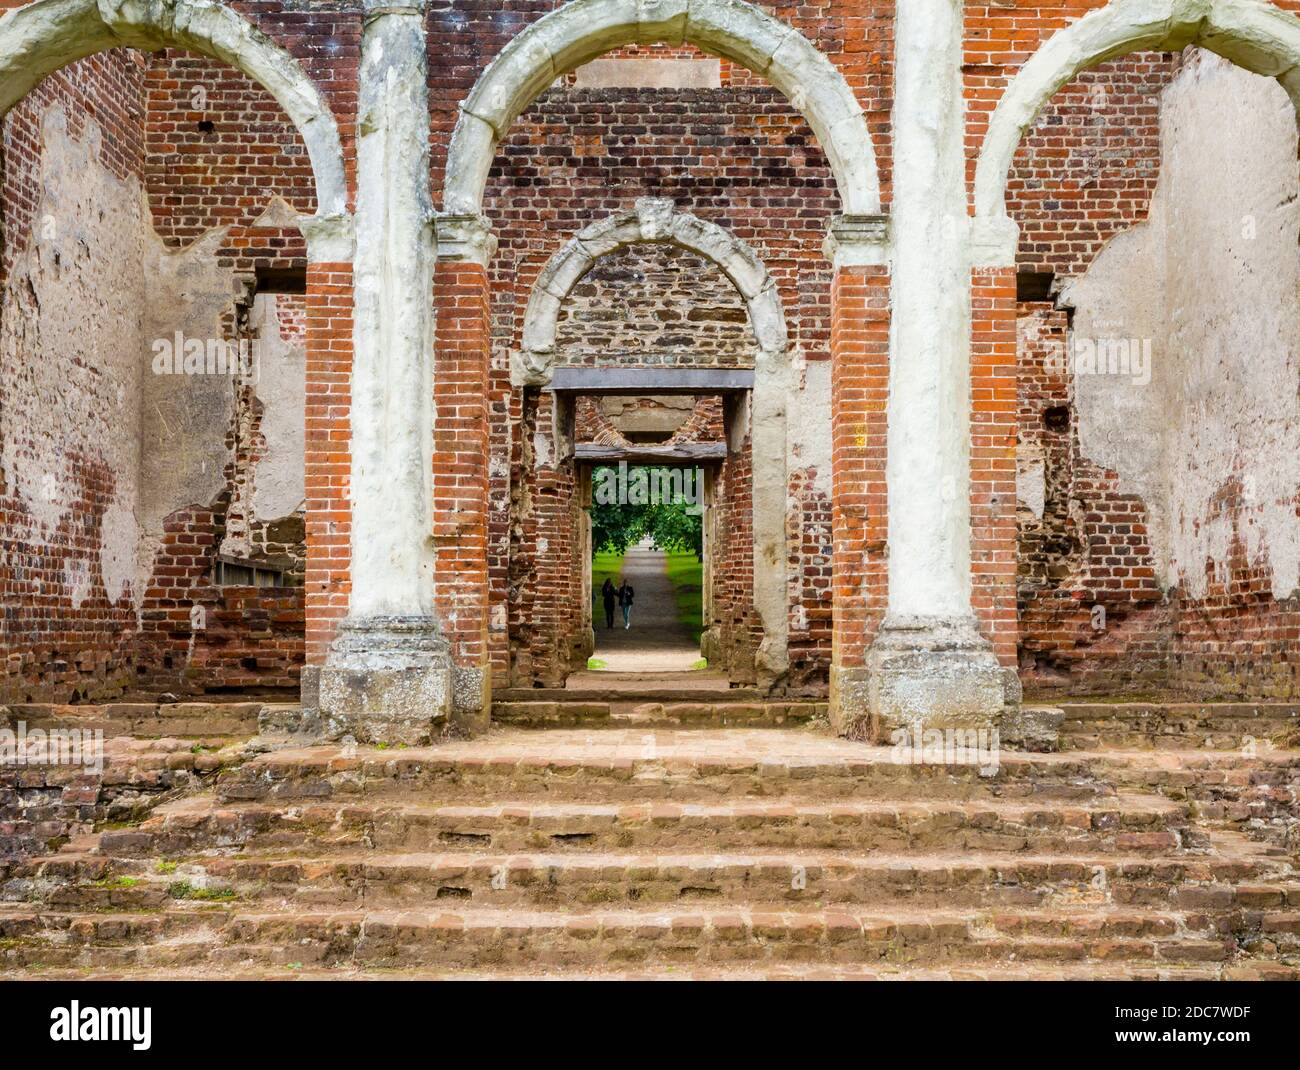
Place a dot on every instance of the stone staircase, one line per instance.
(632, 846)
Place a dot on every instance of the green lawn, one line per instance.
(686, 573)
(604, 565)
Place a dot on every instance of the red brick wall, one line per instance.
(736, 625)
(198, 177)
(56, 645)
(859, 400)
(993, 457)
(460, 457)
(328, 461)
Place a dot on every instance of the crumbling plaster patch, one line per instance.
(279, 487)
(1211, 278)
(811, 447)
(1031, 482)
(94, 288)
(184, 418)
(72, 335)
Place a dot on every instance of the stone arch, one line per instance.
(584, 29)
(1254, 34)
(41, 37)
(652, 220)
(656, 220)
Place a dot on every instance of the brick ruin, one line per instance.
(153, 502)
(198, 534)
(318, 316)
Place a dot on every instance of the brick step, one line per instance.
(700, 713)
(1185, 773)
(623, 764)
(1178, 725)
(1216, 725)
(144, 720)
(231, 937)
(1116, 824)
(1240, 970)
(578, 880)
(642, 688)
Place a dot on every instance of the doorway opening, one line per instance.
(646, 567)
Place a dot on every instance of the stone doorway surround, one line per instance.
(761, 412)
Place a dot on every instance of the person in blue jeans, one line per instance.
(625, 596)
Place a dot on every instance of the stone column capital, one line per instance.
(464, 237)
(330, 238)
(856, 240)
(994, 241)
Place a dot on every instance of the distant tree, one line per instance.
(669, 525)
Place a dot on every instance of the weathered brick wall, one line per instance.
(65, 464)
(107, 87)
(209, 149)
(223, 161)
(546, 610)
(218, 149)
(1086, 170)
(1091, 617)
(655, 306)
(1095, 614)
(735, 629)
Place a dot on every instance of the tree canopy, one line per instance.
(621, 519)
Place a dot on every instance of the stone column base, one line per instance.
(387, 680)
(471, 699)
(850, 702)
(923, 673)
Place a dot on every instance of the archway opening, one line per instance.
(152, 376)
(1158, 417)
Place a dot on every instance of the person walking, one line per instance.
(625, 596)
(609, 596)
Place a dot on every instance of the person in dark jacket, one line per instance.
(609, 595)
(625, 595)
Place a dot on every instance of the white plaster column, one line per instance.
(387, 677)
(929, 378)
(929, 664)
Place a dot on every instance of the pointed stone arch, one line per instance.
(1254, 34)
(41, 37)
(655, 220)
(581, 30)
